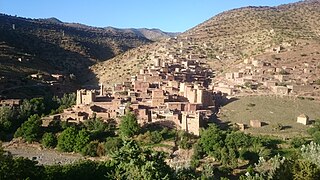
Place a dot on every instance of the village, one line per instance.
(177, 93)
(180, 91)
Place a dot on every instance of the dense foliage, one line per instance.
(216, 153)
(133, 162)
(49, 140)
(129, 162)
(13, 117)
(314, 131)
(30, 130)
(129, 125)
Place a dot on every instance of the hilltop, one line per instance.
(227, 38)
(151, 34)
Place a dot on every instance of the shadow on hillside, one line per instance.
(214, 119)
(228, 100)
(50, 58)
(222, 99)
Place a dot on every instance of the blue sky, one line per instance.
(167, 15)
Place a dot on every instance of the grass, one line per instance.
(272, 111)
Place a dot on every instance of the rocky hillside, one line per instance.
(251, 30)
(228, 38)
(49, 46)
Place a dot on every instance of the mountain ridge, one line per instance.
(153, 34)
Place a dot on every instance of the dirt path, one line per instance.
(43, 156)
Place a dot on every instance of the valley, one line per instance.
(235, 97)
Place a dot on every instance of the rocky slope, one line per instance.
(227, 38)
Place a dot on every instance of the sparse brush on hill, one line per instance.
(227, 38)
(29, 46)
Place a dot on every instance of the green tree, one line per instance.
(133, 162)
(184, 140)
(7, 117)
(316, 137)
(186, 174)
(82, 140)
(49, 140)
(33, 106)
(58, 104)
(112, 144)
(212, 141)
(82, 170)
(297, 142)
(67, 139)
(91, 149)
(31, 129)
(129, 125)
(315, 128)
(156, 137)
(238, 140)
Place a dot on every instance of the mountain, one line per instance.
(227, 38)
(151, 34)
(250, 30)
(154, 34)
(49, 46)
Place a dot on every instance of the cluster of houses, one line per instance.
(177, 93)
(178, 90)
(269, 78)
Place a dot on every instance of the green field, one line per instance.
(271, 110)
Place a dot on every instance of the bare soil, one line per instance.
(43, 156)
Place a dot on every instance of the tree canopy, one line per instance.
(129, 125)
(31, 129)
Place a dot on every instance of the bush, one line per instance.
(31, 129)
(67, 139)
(184, 140)
(49, 140)
(156, 137)
(316, 137)
(112, 144)
(82, 140)
(297, 142)
(277, 127)
(91, 149)
(251, 105)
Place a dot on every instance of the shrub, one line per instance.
(82, 140)
(184, 140)
(251, 105)
(112, 144)
(49, 140)
(67, 139)
(297, 142)
(31, 129)
(156, 137)
(91, 149)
